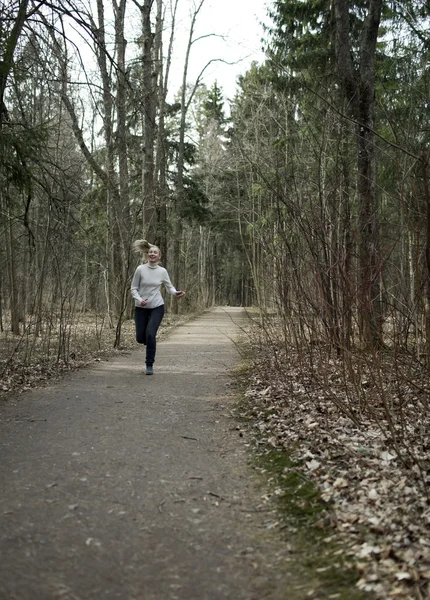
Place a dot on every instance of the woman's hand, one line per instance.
(179, 294)
(143, 303)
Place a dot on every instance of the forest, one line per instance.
(305, 199)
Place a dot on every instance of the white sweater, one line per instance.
(146, 284)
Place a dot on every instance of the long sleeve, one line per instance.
(169, 286)
(135, 283)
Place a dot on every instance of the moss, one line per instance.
(299, 496)
(305, 525)
(317, 554)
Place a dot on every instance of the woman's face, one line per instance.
(153, 255)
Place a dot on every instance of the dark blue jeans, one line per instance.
(147, 321)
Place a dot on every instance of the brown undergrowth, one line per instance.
(358, 429)
(23, 367)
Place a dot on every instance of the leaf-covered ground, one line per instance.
(367, 453)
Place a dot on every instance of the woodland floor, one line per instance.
(118, 485)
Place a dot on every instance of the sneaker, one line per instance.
(149, 370)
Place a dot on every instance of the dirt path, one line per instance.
(119, 485)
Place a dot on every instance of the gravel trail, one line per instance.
(118, 485)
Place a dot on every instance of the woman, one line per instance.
(149, 303)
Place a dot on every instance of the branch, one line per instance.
(351, 119)
(202, 37)
(409, 18)
(10, 45)
(200, 75)
(89, 26)
(71, 110)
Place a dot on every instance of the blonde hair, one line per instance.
(144, 247)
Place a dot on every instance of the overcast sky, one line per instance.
(239, 22)
(238, 29)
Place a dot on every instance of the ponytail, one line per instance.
(141, 246)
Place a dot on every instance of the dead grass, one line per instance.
(27, 361)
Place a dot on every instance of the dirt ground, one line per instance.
(118, 485)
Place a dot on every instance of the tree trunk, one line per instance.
(160, 169)
(181, 160)
(122, 220)
(10, 261)
(359, 89)
(149, 80)
(424, 165)
(368, 223)
(101, 53)
(345, 250)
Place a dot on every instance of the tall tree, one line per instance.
(325, 46)
(150, 69)
(358, 81)
(180, 188)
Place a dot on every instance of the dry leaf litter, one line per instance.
(24, 363)
(365, 446)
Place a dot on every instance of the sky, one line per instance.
(240, 24)
(230, 30)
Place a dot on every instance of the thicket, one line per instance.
(331, 146)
